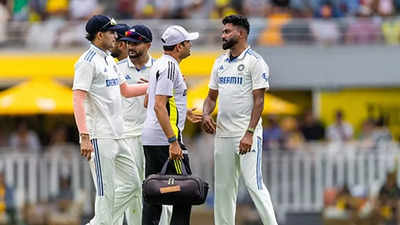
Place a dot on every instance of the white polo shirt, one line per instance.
(96, 73)
(165, 79)
(134, 112)
(235, 80)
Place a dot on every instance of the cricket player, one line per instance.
(97, 90)
(166, 115)
(239, 78)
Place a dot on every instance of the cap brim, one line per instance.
(113, 27)
(192, 36)
(130, 40)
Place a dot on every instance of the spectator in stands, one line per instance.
(326, 30)
(312, 129)
(20, 10)
(59, 146)
(272, 134)
(292, 137)
(24, 140)
(7, 202)
(222, 8)
(254, 8)
(277, 17)
(382, 133)
(84, 9)
(391, 31)
(389, 200)
(340, 131)
(366, 138)
(362, 30)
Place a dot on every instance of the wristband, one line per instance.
(172, 139)
(250, 130)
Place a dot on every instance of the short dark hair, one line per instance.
(237, 20)
(90, 36)
(171, 47)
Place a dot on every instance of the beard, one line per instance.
(134, 55)
(229, 44)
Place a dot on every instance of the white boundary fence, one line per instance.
(296, 180)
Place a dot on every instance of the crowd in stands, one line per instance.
(296, 21)
(356, 205)
(291, 134)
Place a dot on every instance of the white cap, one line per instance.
(177, 34)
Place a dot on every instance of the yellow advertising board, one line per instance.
(34, 65)
(359, 104)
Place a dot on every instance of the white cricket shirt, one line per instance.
(96, 73)
(133, 109)
(235, 80)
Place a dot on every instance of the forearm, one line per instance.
(210, 102)
(208, 106)
(133, 90)
(258, 107)
(163, 119)
(79, 111)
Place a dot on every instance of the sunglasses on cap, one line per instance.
(137, 36)
(112, 22)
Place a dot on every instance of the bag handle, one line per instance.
(179, 166)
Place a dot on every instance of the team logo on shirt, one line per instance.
(221, 67)
(112, 82)
(265, 76)
(128, 77)
(240, 67)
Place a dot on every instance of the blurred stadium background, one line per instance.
(331, 119)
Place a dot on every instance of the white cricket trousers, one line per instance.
(133, 213)
(228, 167)
(116, 179)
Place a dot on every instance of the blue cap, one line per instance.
(138, 34)
(100, 23)
(121, 29)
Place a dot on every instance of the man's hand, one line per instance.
(86, 147)
(246, 143)
(208, 124)
(175, 151)
(193, 116)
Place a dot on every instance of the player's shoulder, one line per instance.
(122, 64)
(88, 56)
(165, 62)
(253, 55)
(221, 58)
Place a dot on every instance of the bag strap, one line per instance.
(179, 167)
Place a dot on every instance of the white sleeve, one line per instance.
(214, 76)
(165, 81)
(121, 77)
(84, 73)
(260, 75)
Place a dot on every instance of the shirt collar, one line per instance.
(99, 51)
(148, 64)
(240, 57)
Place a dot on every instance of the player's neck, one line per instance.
(174, 55)
(122, 56)
(99, 45)
(140, 61)
(237, 49)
